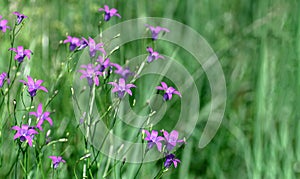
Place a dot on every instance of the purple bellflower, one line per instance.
(123, 72)
(74, 42)
(153, 139)
(95, 47)
(91, 73)
(83, 43)
(41, 116)
(170, 159)
(122, 87)
(24, 133)
(3, 78)
(153, 55)
(21, 53)
(20, 17)
(171, 139)
(3, 25)
(168, 91)
(109, 12)
(56, 160)
(33, 86)
(104, 63)
(156, 30)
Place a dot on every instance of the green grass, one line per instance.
(257, 43)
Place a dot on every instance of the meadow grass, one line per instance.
(257, 43)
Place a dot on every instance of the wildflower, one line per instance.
(122, 87)
(20, 17)
(56, 160)
(3, 77)
(123, 72)
(95, 47)
(91, 73)
(103, 63)
(74, 42)
(156, 30)
(83, 43)
(33, 86)
(109, 12)
(3, 25)
(41, 117)
(168, 91)
(153, 55)
(171, 139)
(21, 53)
(170, 159)
(153, 139)
(24, 133)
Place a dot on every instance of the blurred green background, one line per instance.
(257, 43)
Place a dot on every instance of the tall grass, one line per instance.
(258, 45)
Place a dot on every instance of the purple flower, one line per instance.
(122, 87)
(21, 53)
(83, 43)
(91, 73)
(56, 160)
(103, 63)
(123, 72)
(3, 78)
(3, 25)
(156, 30)
(33, 86)
(109, 12)
(20, 17)
(95, 47)
(41, 116)
(24, 133)
(153, 55)
(74, 42)
(168, 91)
(170, 159)
(153, 139)
(171, 139)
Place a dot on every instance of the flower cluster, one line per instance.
(164, 144)
(25, 133)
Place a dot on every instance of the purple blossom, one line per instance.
(95, 47)
(3, 78)
(83, 43)
(170, 159)
(153, 55)
(168, 91)
(123, 72)
(74, 42)
(21, 53)
(171, 139)
(156, 30)
(122, 87)
(33, 86)
(103, 63)
(3, 25)
(153, 139)
(109, 12)
(20, 17)
(91, 73)
(56, 160)
(41, 116)
(24, 133)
